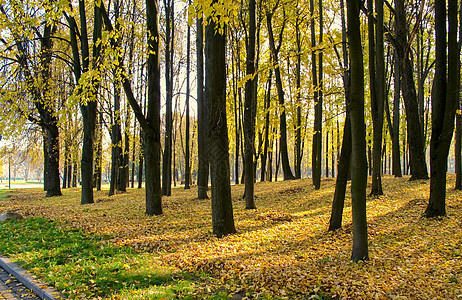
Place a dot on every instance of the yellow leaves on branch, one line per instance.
(220, 12)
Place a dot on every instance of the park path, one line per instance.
(12, 289)
(17, 283)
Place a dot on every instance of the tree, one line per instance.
(358, 134)
(345, 154)
(202, 116)
(277, 72)
(445, 95)
(415, 135)
(215, 95)
(377, 90)
(317, 135)
(249, 107)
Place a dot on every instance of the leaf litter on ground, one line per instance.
(281, 249)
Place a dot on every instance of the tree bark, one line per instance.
(187, 171)
(215, 95)
(396, 115)
(445, 95)
(377, 74)
(345, 155)
(415, 138)
(283, 120)
(315, 153)
(202, 121)
(264, 157)
(167, 156)
(249, 106)
(358, 129)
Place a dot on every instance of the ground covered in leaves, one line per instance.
(281, 249)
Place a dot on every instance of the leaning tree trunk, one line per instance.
(215, 88)
(345, 155)
(358, 135)
(283, 120)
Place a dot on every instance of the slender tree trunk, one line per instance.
(151, 133)
(215, 88)
(345, 155)
(202, 119)
(267, 125)
(283, 120)
(358, 129)
(315, 156)
(377, 102)
(249, 106)
(167, 157)
(298, 130)
(187, 155)
(396, 115)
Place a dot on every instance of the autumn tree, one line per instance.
(249, 107)
(358, 137)
(215, 95)
(445, 95)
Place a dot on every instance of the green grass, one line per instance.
(4, 194)
(80, 264)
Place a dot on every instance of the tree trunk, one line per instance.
(202, 119)
(343, 168)
(415, 138)
(315, 154)
(396, 115)
(377, 70)
(445, 95)
(151, 133)
(187, 171)
(215, 88)
(267, 125)
(358, 129)
(249, 106)
(298, 129)
(283, 120)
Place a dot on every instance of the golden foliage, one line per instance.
(282, 248)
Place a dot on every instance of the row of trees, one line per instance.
(264, 72)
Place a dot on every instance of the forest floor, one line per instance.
(282, 249)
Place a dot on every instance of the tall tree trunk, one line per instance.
(187, 172)
(298, 129)
(358, 130)
(202, 117)
(377, 102)
(415, 138)
(167, 157)
(458, 134)
(151, 132)
(445, 95)
(396, 115)
(116, 142)
(345, 155)
(283, 120)
(315, 156)
(99, 155)
(267, 125)
(249, 106)
(215, 88)
(88, 109)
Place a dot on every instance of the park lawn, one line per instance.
(110, 249)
